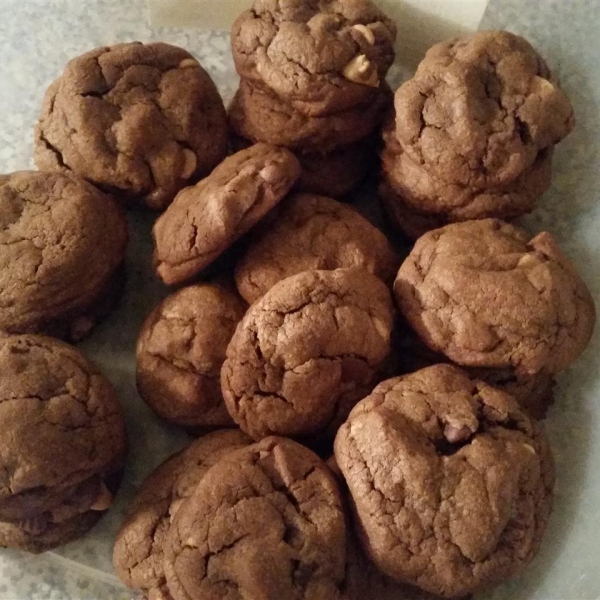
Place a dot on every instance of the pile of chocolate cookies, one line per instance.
(313, 80)
(366, 427)
(473, 134)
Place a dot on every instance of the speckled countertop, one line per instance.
(37, 37)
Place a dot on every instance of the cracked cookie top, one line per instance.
(180, 351)
(480, 109)
(204, 220)
(451, 481)
(486, 295)
(422, 192)
(138, 551)
(61, 422)
(266, 522)
(140, 121)
(260, 115)
(313, 232)
(61, 241)
(306, 352)
(322, 55)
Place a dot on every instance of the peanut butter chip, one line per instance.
(360, 70)
(270, 173)
(190, 164)
(528, 261)
(188, 62)
(366, 32)
(104, 500)
(456, 434)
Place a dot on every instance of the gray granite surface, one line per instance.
(37, 37)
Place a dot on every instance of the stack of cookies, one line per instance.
(473, 134)
(313, 80)
(62, 443)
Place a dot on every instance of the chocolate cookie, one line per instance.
(480, 109)
(204, 220)
(138, 550)
(323, 56)
(423, 193)
(260, 115)
(138, 120)
(180, 351)
(62, 442)
(311, 233)
(486, 295)
(38, 535)
(451, 482)
(265, 522)
(306, 352)
(338, 173)
(62, 245)
(534, 393)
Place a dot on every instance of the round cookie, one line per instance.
(260, 115)
(141, 121)
(62, 441)
(486, 295)
(138, 551)
(306, 352)
(311, 233)
(204, 220)
(62, 246)
(480, 109)
(266, 522)
(338, 173)
(324, 57)
(423, 193)
(180, 351)
(451, 482)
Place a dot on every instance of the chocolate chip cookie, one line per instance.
(480, 109)
(180, 351)
(451, 482)
(140, 121)
(204, 220)
(138, 550)
(425, 198)
(265, 522)
(306, 352)
(322, 56)
(310, 233)
(62, 443)
(260, 115)
(62, 246)
(487, 295)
